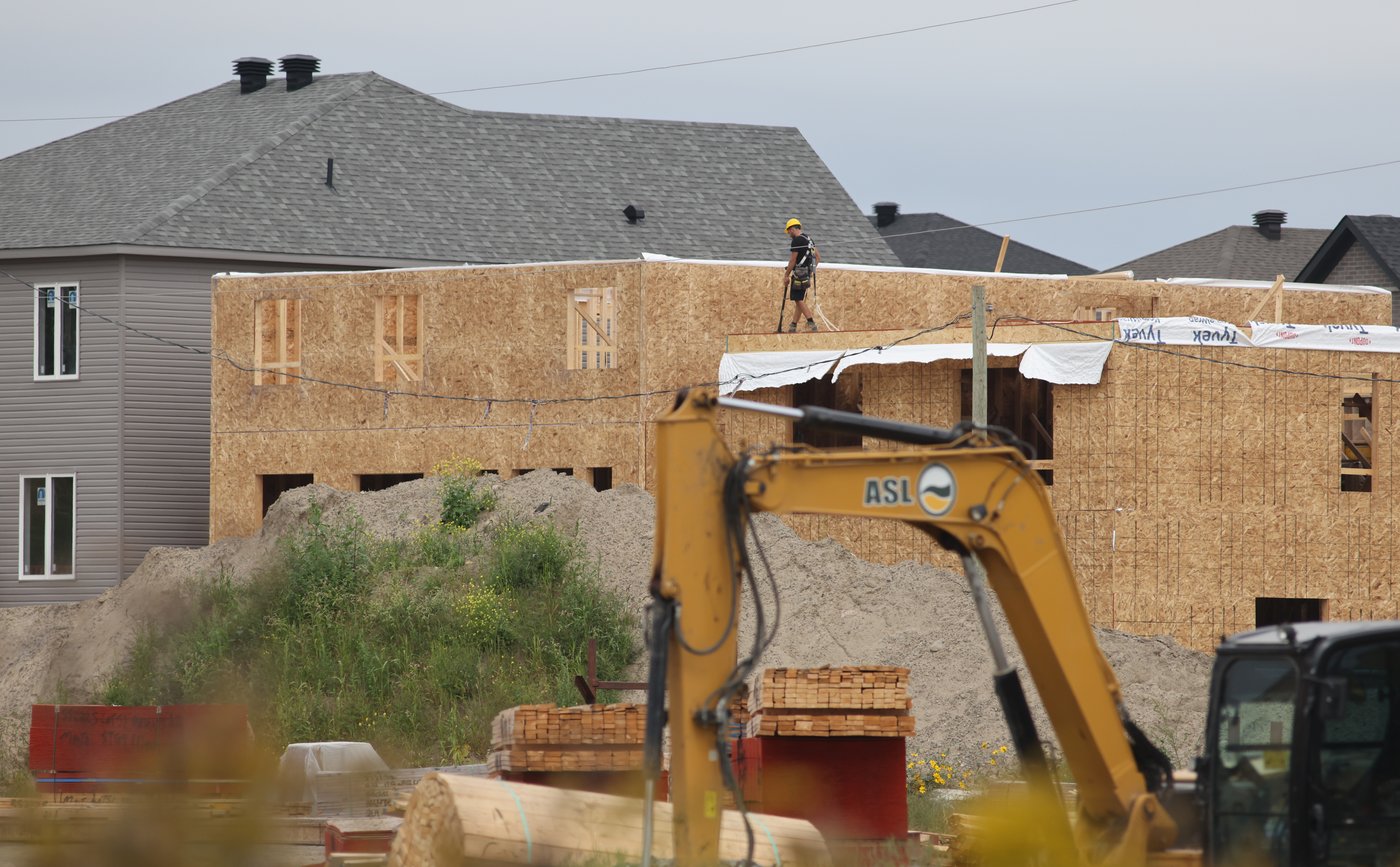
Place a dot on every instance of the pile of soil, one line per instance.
(836, 610)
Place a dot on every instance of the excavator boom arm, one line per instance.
(972, 495)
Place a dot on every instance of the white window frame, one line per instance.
(39, 297)
(48, 527)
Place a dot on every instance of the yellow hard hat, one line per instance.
(793, 222)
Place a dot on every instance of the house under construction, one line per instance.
(1207, 479)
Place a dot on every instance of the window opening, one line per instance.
(1272, 610)
(1358, 431)
(564, 471)
(591, 314)
(277, 336)
(398, 338)
(274, 486)
(1025, 406)
(47, 527)
(843, 394)
(56, 332)
(602, 478)
(383, 481)
(1104, 314)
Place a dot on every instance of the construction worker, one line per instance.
(797, 277)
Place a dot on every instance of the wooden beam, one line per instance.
(1001, 257)
(257, 343)
(1278, 304)
(394, 358)
(593, 325)
(378, 338)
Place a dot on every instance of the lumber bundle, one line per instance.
(544, 737)
(453, 820)
(836, 701)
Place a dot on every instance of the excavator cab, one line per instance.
(1302, 763)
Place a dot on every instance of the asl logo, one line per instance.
(938, 490)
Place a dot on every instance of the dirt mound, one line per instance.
(836, 609)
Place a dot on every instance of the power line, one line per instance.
(646, 69)
(533, 402)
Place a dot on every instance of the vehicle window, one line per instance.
(1253, 745)
(1357, 771)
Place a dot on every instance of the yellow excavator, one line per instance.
(1302, 762)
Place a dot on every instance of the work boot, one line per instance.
(811, 325)
(792, 328)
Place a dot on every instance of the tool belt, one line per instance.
(802, 275)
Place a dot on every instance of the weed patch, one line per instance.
(412, 645)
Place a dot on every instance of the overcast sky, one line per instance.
(1077, 106)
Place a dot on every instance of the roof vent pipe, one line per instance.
(299, 69)
(252, 73)
(886, 213)
(1270, 223)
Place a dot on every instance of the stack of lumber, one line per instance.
(456, 820)
(545, 737)
(845, 701)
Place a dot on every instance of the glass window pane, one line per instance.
(69, 340)
(44, 329)
(1253, 750)
(1357, 769)
(32, 525)
(61, 507)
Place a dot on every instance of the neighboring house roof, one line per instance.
(418, 178)
(1379, 235)
(1234, 253)
(938, 241)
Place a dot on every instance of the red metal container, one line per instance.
(849, 788)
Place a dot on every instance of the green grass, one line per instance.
(413, 646)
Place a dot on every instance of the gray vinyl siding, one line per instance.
(61, 427)
(165, 415)
(134, 426)
(165, 430)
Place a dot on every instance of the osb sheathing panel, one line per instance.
(1212, 468)
(1186, 489)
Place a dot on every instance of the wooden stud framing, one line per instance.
(398, 338)
(276, 340)
(592, 312)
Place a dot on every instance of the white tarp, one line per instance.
(922, 353)
(1181, 331)
(1058, 363)
(1066, 363)
(746, 371)
(1347, 338)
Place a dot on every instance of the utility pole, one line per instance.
(979, 354)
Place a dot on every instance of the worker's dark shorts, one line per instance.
(798, 291)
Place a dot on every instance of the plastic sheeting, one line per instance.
(922, 353)
(1066, 363)
(316, 773)
(1203, 331)
(746, 371)
(1059, 363)
(1181, 331)
(1346, 338)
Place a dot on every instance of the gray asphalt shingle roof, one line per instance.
(937, 241)
(1233, 253)
(1379, 234)
(418, 178)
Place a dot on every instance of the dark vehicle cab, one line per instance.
(1302, 763)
